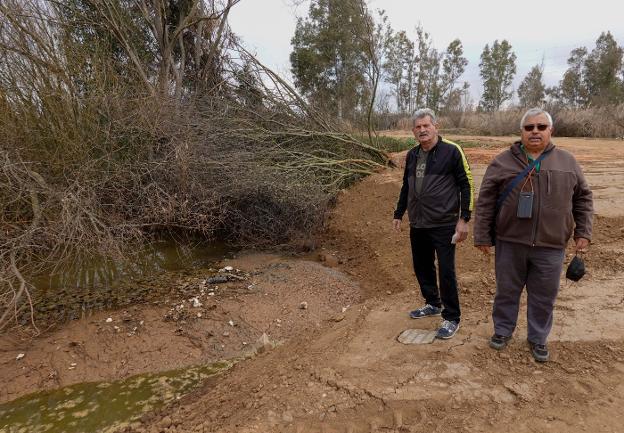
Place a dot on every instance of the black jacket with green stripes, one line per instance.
(447, 189)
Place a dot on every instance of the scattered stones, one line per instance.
(20, 356)
(303, 306)
(328, 259)
(109, 320)
(226, 269)
(218, 279)
(166, 422)
(263, 344)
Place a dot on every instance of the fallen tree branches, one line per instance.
(109, 137)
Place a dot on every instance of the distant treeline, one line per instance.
(342, 52)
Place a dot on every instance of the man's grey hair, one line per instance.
(536, 112)
(424, 112)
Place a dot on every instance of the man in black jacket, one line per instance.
(438, 194)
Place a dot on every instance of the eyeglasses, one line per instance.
(540, 127)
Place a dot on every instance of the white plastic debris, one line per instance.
(226, 269)
(109, 320)
(195, 302)
(231, 323)
(20, 356)
(199, 315)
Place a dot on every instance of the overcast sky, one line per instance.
(546, 30)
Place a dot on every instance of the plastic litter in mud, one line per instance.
(417, 336)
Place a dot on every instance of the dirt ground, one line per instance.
(334, 315)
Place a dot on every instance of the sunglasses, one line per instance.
(540, 127)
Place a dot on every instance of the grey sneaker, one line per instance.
(539, 351)
(447, 329)
(426, 311)
(499, 342)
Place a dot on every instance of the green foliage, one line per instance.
(453, 66)
(603, 72)
(572, 90)
(532, 90)
(422, 76)
(593, 78)
(498, 67)
(328, 60)
(399, 69)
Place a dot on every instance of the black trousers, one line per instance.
(427, 244)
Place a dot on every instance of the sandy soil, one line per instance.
(339, 367)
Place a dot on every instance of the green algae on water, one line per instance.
(101, 406)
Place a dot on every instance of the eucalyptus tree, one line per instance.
(498, 68)
(532, 90)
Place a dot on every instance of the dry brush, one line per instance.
(107, 141)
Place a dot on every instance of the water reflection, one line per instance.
(75, 290)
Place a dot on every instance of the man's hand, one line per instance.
(485, 249)
(581, 245)
(396, 224)
(462, 231)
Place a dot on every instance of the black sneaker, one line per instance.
(426, 311)
(539, 351)
(499, 342)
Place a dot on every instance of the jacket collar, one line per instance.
(433, 149)
(516, 150)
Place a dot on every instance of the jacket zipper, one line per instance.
(537, 216)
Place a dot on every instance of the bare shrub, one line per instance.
(607, 121)
(109, 136)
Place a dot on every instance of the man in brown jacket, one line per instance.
(531, 225)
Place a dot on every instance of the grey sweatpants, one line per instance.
(537, 268)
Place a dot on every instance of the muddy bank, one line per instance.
(195, 323)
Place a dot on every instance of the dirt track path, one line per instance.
(351, 375)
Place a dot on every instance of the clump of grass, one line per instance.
(394, 144)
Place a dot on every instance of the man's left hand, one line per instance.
(462, 230)
(581, 245)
